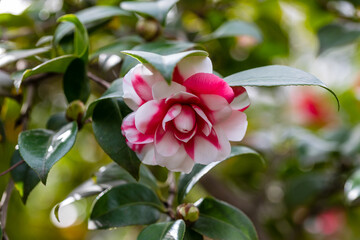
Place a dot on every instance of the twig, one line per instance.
(4, 204)
(172, 192)
(98, 80)
(12, 168)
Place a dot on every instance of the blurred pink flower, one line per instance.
(190, 121)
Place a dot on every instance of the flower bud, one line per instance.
(188, 212)
(149, 29)
(75, 111)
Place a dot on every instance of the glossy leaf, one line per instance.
(235, 28)
(114, 91)
(161, 47)
(352, 187)
(164, 64)
(25, 179)
(274, 76)
(107, 119)
(76, 83)
(128, 204)
(219, 220)
(192, 235)
(41, 148)
(55, 65)
(157, 10)
(187, 181)
(88, 16)
(337, 35)
(56, 121)
(81, 38)
(12, 56)
(164, 231)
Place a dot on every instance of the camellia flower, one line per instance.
(190, 121)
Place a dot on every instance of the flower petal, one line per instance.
(190, 66)
(131, 133)
(205, 128)
(241, 101)
(162, 89)
(143, 78)
(207, 83)
(185, 137)
(235, 126)
(148, 155)
(219, 108)
(149, 116)
(172, 113)
(130, 96)
(179, 162)
(165, 142)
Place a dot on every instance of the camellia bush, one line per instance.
(163, 101)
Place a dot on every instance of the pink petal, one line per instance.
(165, 142)
(185, 121)
(205, 128)
(131, 133)
(183, 98)
(219, 108)
(207, 83)
(185, 137)
(130, 96)
(192, 65)
(241, 101)
(149, 116)
(235, 126)
(172, 113)
(162, 89)
(179, 162)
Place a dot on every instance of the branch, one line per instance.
(12, 168)
(98, 80)
(4, 206)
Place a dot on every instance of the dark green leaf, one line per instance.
(12, 56)
(187, 181)
(114, 91)
(274, 76)
(337, 35)
(41, 148)
(81, 38)
(76, 82)
(57, 121)
(128, 204)
(24, 177)
(192, 235)
(235, 28)
(164, 64)
(107, 119)
(92, 15)
(352, 187)
(219, 220)
(161, 47)
(164, 231)
(2, 132)
(157, 10)
(56, 65)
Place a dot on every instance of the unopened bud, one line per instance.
(149, 29)
(188, 212)
(75, 111)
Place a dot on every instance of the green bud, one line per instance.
(75, 111)
(188, 212)
(149, 29)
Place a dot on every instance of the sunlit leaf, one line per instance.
(352, 187)
(12, 56)
(164, 231)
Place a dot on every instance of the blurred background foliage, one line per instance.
(310, 185)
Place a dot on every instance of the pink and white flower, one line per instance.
(190, 121)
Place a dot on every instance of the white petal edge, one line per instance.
(235, 126)
(162, 89)
(194, 64)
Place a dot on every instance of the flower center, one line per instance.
(185, 121)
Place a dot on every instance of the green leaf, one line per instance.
(219, 220)
(55, 65)
(9, 20)
(107, 119)
(352, 187)
(351, 145)
(274, 76)
(2, 132)
(81, 38)
(157, 10)
(41, 148)
(164, 64)
(161, 47)
(12, 56)
(114, 91)
(24, 177)
(76, 82)
(164, 231)
(234, 28)
(44, 39)
(337, 35)
(57, 121)
(128, 204)
(192, 235)
(89, 16)
(187, 181)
